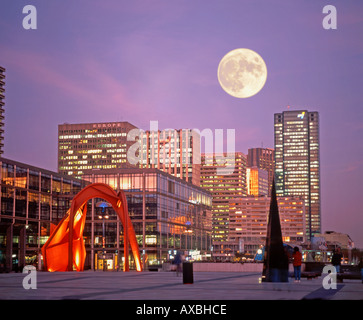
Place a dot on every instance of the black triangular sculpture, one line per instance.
(276, 263)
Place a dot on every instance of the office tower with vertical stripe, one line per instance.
(297, 162)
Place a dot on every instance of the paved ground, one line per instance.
(143, 286)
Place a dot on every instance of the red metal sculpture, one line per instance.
(65, 247)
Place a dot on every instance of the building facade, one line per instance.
(168, 215)
(176, 152)
(263, 158)
(31, 200)
(2, 111)
(223, 187)
(116, 145)
(257, 181)
(93, 146)
(297, 162)
(249, 218)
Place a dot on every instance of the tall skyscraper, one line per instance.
(2, 104)
(297, 163)
(263, 158)
(223, 188)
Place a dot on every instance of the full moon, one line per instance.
(242, 73)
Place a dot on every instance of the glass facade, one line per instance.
(297, 163)
(263, 158)
(88, 146)
(176, 152)
(92, 146)
(167, 213)
(223, 188)
(257, 181)
(31, 200)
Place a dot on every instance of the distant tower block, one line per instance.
(297, 162)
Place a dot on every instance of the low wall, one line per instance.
(227, 267)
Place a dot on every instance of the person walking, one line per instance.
(178, 262)
(297, 258)
(336, 260)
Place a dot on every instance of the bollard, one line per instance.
(187, 272)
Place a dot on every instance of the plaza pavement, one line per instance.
(143, 286)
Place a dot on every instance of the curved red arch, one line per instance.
(65, 246)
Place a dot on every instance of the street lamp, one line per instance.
(103, 217)
(188, 231)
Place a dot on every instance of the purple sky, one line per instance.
(136, 61)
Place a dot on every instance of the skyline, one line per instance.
(140, 62)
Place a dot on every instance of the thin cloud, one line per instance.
(92, 85)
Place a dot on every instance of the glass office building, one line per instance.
(168, 215)
(176, 152)
(223, 187)
(297, 163)
(87, 146)
(31, 200)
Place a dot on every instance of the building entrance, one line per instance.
(106, 261)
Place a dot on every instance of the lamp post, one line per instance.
(103, 216)
(188, 231)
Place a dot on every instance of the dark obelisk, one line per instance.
(276, 263)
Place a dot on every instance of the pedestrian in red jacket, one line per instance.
(297, 257)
